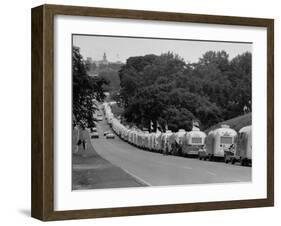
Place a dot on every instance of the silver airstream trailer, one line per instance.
(244, 146)
(179, 138)
(193, 142)
(146, 138)
(125, 133)
(165, 142)
(135, 137)
(151, 139)
(157, 142)
(130, 136)
(171, 143)
(218, 142)
(140, 139)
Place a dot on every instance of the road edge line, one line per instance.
(137, 178)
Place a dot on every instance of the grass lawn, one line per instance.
(235, 123)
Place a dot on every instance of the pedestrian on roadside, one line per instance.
(84, 144)
(82, 139)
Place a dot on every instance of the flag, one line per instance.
(158, 127)
(151, 126)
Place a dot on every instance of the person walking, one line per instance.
(82, 139)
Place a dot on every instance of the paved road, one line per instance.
(155, 169)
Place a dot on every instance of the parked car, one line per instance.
(95, 135)
(110, 136)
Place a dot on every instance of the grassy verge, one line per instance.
(91, 171)
(235, 123)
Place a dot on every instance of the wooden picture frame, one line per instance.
(43, 112)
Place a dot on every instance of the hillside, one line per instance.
(235, 123)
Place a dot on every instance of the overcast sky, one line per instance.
(120, 48)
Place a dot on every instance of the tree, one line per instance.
(225, 83)
(166, 90)
(178, 118)
(112, 77)
(217, 58)
(87, 92)
(131, 76)
(240, 79)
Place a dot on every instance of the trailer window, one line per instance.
(226, 140)
(196, 140)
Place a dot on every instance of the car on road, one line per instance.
(106, 132)
(93, 129)
(95, 135)
(110, 136)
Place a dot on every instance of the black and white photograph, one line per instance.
(160, 112)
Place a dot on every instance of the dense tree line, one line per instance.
(110, 73)
(167, 91)
(87, 91)
(107, 71)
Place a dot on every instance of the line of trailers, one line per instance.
(222, 143)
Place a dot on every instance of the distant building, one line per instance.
(94, 66)
(103, 61)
